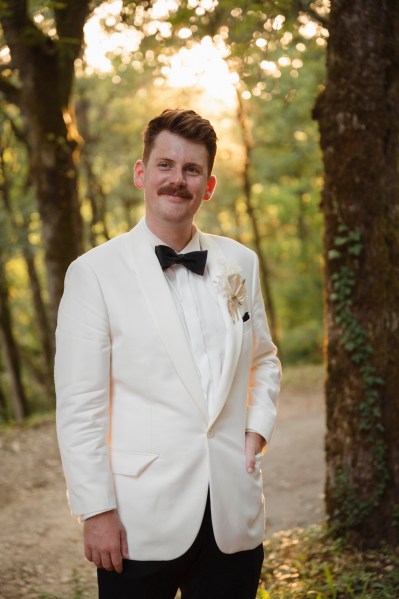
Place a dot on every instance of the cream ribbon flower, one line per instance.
(236, 295)
(232, 285)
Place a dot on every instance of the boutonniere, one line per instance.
(232, 285)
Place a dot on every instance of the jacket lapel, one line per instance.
(216, 260)
(166, 318)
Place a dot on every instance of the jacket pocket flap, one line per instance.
(130, 463)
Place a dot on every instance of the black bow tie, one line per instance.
(194, 261)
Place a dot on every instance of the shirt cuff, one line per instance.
(84, 517)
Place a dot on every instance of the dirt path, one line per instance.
(40, 543)
(293, 468)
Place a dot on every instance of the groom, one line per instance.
(167, 383)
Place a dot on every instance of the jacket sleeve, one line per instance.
(265, 375)
(82, 381)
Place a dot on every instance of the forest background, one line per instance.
(256, 81)
(304, 98)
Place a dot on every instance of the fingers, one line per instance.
(250, 455)
(253, 445)
(96, 558)
(107, 560)
(105, 541)
(124, 547)
(116, 562)
(250, 450)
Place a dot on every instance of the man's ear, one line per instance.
(210, 188)
(138, 174)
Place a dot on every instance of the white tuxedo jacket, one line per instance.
(132, 421)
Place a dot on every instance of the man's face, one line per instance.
(175, 180)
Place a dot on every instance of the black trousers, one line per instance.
(203, 572)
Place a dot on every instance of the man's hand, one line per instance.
(105, 541)
(254, 443)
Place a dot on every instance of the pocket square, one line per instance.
(246, 317)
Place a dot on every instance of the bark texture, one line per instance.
(359, 125)
(46, 69)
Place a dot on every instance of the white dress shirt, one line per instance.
(198, 307)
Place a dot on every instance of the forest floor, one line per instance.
(41, 553)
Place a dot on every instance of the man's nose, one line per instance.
(178, 177)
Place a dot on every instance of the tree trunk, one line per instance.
(247, 185)
(359, 125)
(95, 192)
(21, 230)
(10, 352)
(4, 413)
(41, 315)
(46, 68)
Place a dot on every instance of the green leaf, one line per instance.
(334, 254)
(355, 250)
(340, 240)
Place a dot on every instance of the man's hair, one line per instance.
(187, 124)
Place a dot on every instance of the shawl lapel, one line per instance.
(163, 310)
(234, 331)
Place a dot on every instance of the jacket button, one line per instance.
(211, 433)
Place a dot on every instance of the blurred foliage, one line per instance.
(308, 563)
(20, 230)
(276, 61)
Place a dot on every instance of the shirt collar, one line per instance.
(192, 246)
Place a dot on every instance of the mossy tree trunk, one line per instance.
(359, 125)
(45, 69)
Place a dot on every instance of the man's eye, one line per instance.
(192, 169)
(163, 165)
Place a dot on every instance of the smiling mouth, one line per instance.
(175, 192)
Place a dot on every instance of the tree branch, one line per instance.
(15, 10)
(70, 18)
(10, 91)
(20, 32)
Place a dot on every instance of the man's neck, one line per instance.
(175, 236)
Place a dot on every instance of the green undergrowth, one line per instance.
(34, 421)
(307, 563)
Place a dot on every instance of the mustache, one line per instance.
(171, 190)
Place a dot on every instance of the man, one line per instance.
(167, 384)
